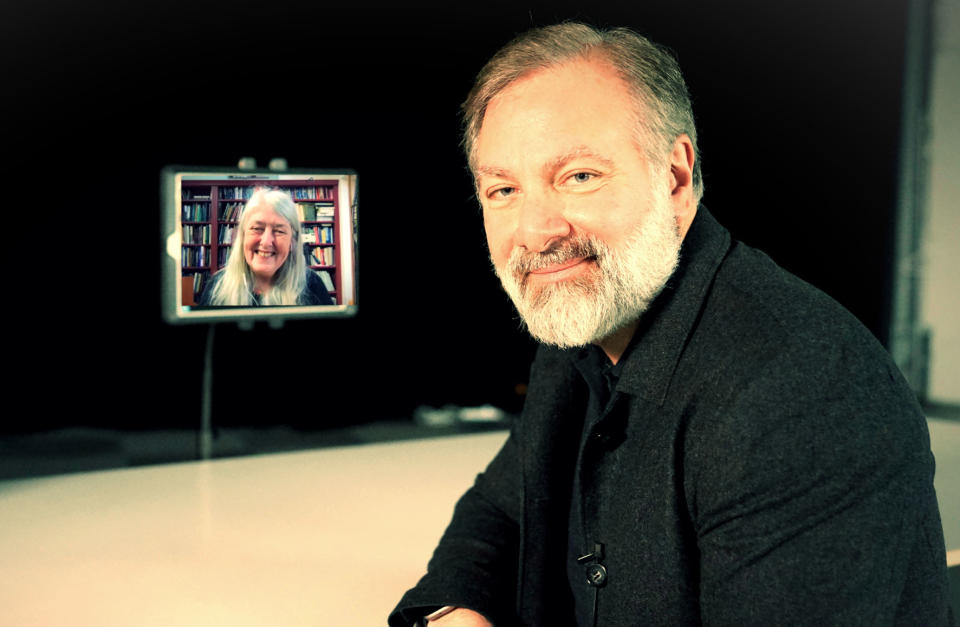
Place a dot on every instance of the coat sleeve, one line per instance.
(813, 501)
(475, 564)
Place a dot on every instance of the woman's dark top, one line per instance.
(314, 293)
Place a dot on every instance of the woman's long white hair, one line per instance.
(236, 281)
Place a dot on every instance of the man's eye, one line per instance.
(582, 177)
(502, 192)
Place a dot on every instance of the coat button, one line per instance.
(596, 575)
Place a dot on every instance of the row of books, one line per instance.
(310, 211)
(236, 192)
(243, 192)
(195, 211)
(317, 234)
(199, 282)
(194, 257)
(188, 193)
(311, 193)
(226, 234)
(230, 212)
(322, 256)
(196, 234)
(200, 234)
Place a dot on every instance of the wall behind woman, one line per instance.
(797, 102)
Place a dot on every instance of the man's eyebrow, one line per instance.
(489, 170)
(577, 152)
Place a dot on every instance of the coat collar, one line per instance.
(664, 328)
(651, 358)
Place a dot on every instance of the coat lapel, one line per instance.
(552, 427)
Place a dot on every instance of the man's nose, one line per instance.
(541, 223)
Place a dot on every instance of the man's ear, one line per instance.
(682, 197)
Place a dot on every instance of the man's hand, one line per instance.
(461, 617)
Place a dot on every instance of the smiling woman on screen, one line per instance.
(266, 265)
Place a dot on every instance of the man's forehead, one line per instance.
(580, 108)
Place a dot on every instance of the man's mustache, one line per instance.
(522, 261)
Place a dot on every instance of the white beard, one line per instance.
(594, 305)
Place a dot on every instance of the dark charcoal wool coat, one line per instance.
(765, 464)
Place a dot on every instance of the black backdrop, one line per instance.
(797, 102)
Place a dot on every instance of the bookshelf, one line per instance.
(209, 218)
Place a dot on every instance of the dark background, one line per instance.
(797, 103)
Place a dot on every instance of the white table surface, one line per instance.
(322, 537)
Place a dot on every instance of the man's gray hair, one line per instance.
(649, 70)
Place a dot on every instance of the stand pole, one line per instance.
(205, 437)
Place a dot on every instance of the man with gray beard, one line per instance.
(706, 438)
